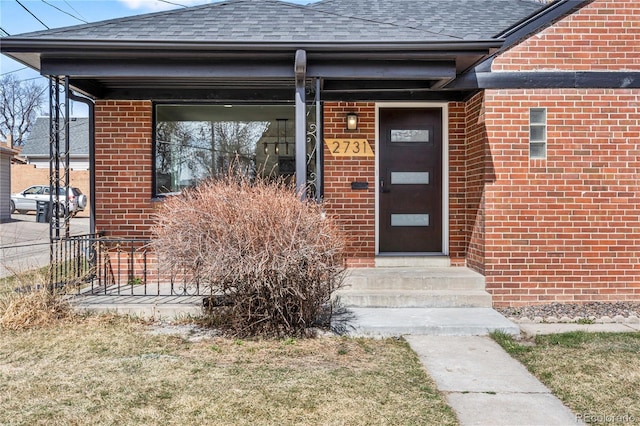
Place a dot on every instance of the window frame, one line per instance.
(154, 120)
(535, 124)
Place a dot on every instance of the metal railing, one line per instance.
(117, 267)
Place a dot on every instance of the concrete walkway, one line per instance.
(485, 386)
(389, 322)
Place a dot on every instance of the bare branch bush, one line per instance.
(273, 260)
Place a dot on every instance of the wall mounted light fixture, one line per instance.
(352, 121)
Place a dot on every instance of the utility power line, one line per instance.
(11, 72)
(175, 4)
(31, 13)
(74, 9)
(64, 11)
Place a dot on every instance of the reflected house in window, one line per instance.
(196, 142)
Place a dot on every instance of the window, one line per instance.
(194, 142)
(34, 190)
(410, 135)
(538, 133)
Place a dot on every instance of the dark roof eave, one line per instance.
(29, 45)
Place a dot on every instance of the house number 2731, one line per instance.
(349, 147)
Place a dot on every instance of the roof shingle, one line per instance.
(37, 143)
(328, 20)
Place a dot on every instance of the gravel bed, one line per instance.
(592, 312)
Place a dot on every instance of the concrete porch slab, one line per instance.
(148, 307)
(390, 322)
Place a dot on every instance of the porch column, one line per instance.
(59, 155)
(300, 69)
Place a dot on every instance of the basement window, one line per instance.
(537, 133)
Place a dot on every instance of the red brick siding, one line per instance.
(566, 228)
(458, 221)
(124, 177)
(355, 209)
(603, 35)
(478, 169)
(123, 160)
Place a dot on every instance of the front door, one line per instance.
(410, 150)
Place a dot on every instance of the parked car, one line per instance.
(26, 200)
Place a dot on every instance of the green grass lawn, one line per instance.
(597, 375)
(113, 370)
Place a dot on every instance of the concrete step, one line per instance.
(394, 261)
(393, 322)
(414, 298)
(396, 287)
(447, 278)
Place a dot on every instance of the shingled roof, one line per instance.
(37, 144)
(328, 20)
(245, 49)
(460, 19)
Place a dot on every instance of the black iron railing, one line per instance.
(128, 267)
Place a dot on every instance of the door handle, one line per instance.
(383, 189)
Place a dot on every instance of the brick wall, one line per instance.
(26, 175)
(566, 228)
(602, 36)
(458, 232)
(124, 172)
(354, 208)
(478, 169)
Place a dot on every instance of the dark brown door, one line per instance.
(410, 180)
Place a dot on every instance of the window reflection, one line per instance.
(194, 142)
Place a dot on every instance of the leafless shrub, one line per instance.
(271, 260)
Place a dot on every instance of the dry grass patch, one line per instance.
(596, 374)
(33, 309)
(33, 305)
(112, 370)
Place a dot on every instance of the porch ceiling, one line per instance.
(161, 71)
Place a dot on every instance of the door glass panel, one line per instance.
(410, 135)
(409, 220)
(409, 178)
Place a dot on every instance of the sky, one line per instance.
(14, 19)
